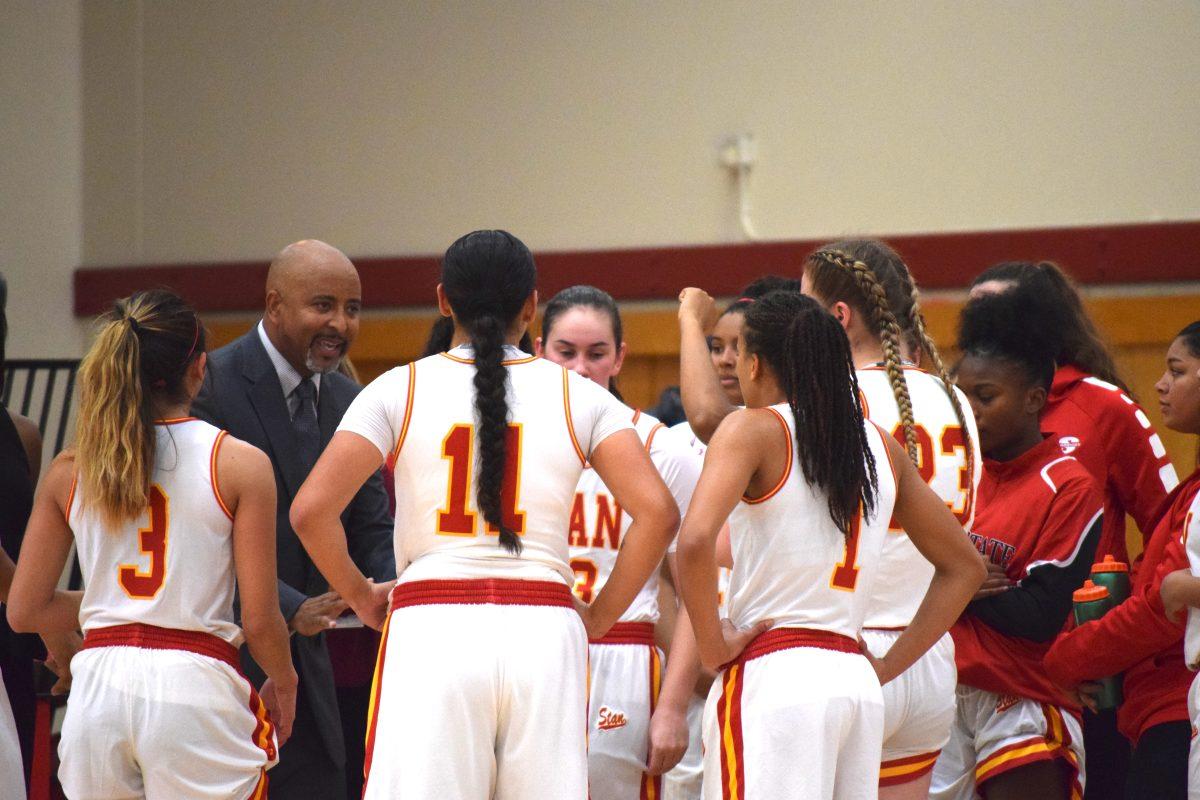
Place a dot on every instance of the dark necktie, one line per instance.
(304, 422)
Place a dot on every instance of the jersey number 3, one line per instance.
(454, 519)
(152, 540)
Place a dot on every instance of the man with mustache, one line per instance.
(278, 388)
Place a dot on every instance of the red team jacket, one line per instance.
(1136, 637)
(1038, 516)
(1111, 436)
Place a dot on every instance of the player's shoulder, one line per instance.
(1100, 400)
(1065, 474)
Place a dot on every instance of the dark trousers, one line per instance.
(1159, 765)
(305, 771)
(1106, 756)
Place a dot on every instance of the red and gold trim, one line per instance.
(212, 473)
(652, 784)
(71, 497)
(570, 422)
(263, 735)
(373, 706)
(507, 363)
(628, 633)
(175, 420)
(260, 788)
(408, 410)
(905, 770)
(637, 414)
(1055, 744)
(483, 591)
(778, 639)
(650, 436)
(729, 723)
(787, 470)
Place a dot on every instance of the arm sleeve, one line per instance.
(1139, 469)
(1133, 631)
(595, 413)
(1037, 607)
(377, 414)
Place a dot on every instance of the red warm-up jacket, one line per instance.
(1136, 637)
(1101, 427)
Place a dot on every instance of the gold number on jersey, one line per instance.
(454, 519)
(152, 540)
(585, 578)
(951, 440)
(845, 574)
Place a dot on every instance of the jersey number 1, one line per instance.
(454, 519)
(152, 540)
(845, 574)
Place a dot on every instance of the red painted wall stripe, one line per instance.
(1152, 252)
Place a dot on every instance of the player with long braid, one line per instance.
(480, 685)
(868, 288)
(808, 486)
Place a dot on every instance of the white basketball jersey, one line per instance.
(173, 566)
(598, 524)
(424, 413)
(904, 574)
(791, 564)
(684, 431)
(1191, 543)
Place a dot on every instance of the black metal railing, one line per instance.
(45, 388)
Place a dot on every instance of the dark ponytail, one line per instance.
(589, 297)
(487, 276)
(809, 353)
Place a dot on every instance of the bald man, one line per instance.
(278, 388)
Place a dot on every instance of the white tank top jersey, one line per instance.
(598, 523)
(791, 564)
(1191, 543)
(684, 431)
(904, 574)
(173, 566)
(424, 414)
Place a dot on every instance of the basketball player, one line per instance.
(636, 730)
(167, 513)
(1016, 734)
(481, 680)
(808, 486)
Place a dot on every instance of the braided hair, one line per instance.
(808, 351)
(903, 299)
(441, 336)
(588, 297)
(854, 282)
(487, 277)
(1054, 298)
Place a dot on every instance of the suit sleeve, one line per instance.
(1133, 631)
(1139, 470)
(207, 407)
(1038, 606)
(369, 531)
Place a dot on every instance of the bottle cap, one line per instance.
(1090, 592)
(1110, 564)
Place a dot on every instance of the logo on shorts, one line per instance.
(1005, 702)
(1069, 444)
(610, 719)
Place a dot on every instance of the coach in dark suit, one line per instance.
(277, 387)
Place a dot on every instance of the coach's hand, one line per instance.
(280, 700)
(668, 739)
(317, 614)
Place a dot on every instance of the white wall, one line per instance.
(41, 171)
(224, 129)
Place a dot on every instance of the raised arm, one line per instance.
(622, 463)
(247, 485)
(958, 570)
(704, 403)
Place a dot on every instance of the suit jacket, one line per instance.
(242, 394)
